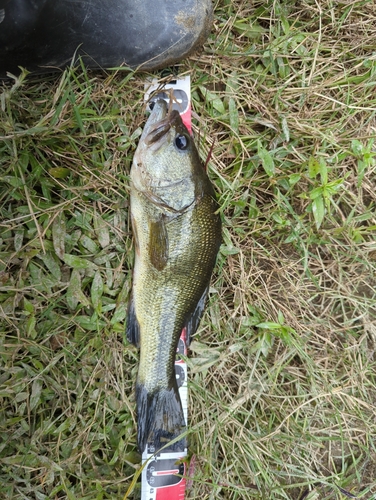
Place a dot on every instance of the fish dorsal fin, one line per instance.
(158, 243)
(133, 327)
(195, 318)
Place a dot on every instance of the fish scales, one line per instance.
(167, 298)
(177, 232)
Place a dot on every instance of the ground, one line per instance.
(282, 368)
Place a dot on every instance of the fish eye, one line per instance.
(182, 142)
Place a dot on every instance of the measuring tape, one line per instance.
(162, 477)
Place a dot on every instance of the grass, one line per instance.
(282, 371)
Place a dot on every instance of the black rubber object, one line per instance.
(44, 35)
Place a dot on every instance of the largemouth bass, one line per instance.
(177, 233)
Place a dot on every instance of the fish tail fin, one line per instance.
(160, 418)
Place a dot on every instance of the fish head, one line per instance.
(166, 162)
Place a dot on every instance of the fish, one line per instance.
(177, 234)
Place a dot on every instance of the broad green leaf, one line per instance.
(28, 306)
(133, 457)
(109, 275)
(318, 210)
(65, 425)
(51, 264)
(213, 99)
(285, 129)
(266, 159)
(101, 230)
(78, 262)
(313, 167)
(30, 325)
(74, 290)
(108, 307)
(13, 181)
(119, 451)
(97, 290)
(323, 171)
(332, 187)
(292, 237)
(18, 239)
(59, 172)
(21, 396)
(36, 391)
(315, 193)
(278, 218)
(294, 178)
(81, 297)
(120, 313)
(266, 343)
(34, 131)
(58, 235)
(361, 168)
(285, 334)
(104, 257)
(285, 25)
(283, 67)
(87, 323)
(229, 250)
(89, 244)
(121, 304)
(23, 160)
(357, 147)
(269, 325)
(84, 220)
(281, 318)
(248, 30)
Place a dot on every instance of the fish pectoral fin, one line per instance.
(158, 243)
(195, 318)
(133, 327)
(135, 235)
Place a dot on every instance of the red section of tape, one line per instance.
(171, 492)
(187, 119)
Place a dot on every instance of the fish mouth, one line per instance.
(159, 123)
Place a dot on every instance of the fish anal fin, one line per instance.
(133, 327)
(195, 318)
(158, 244)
